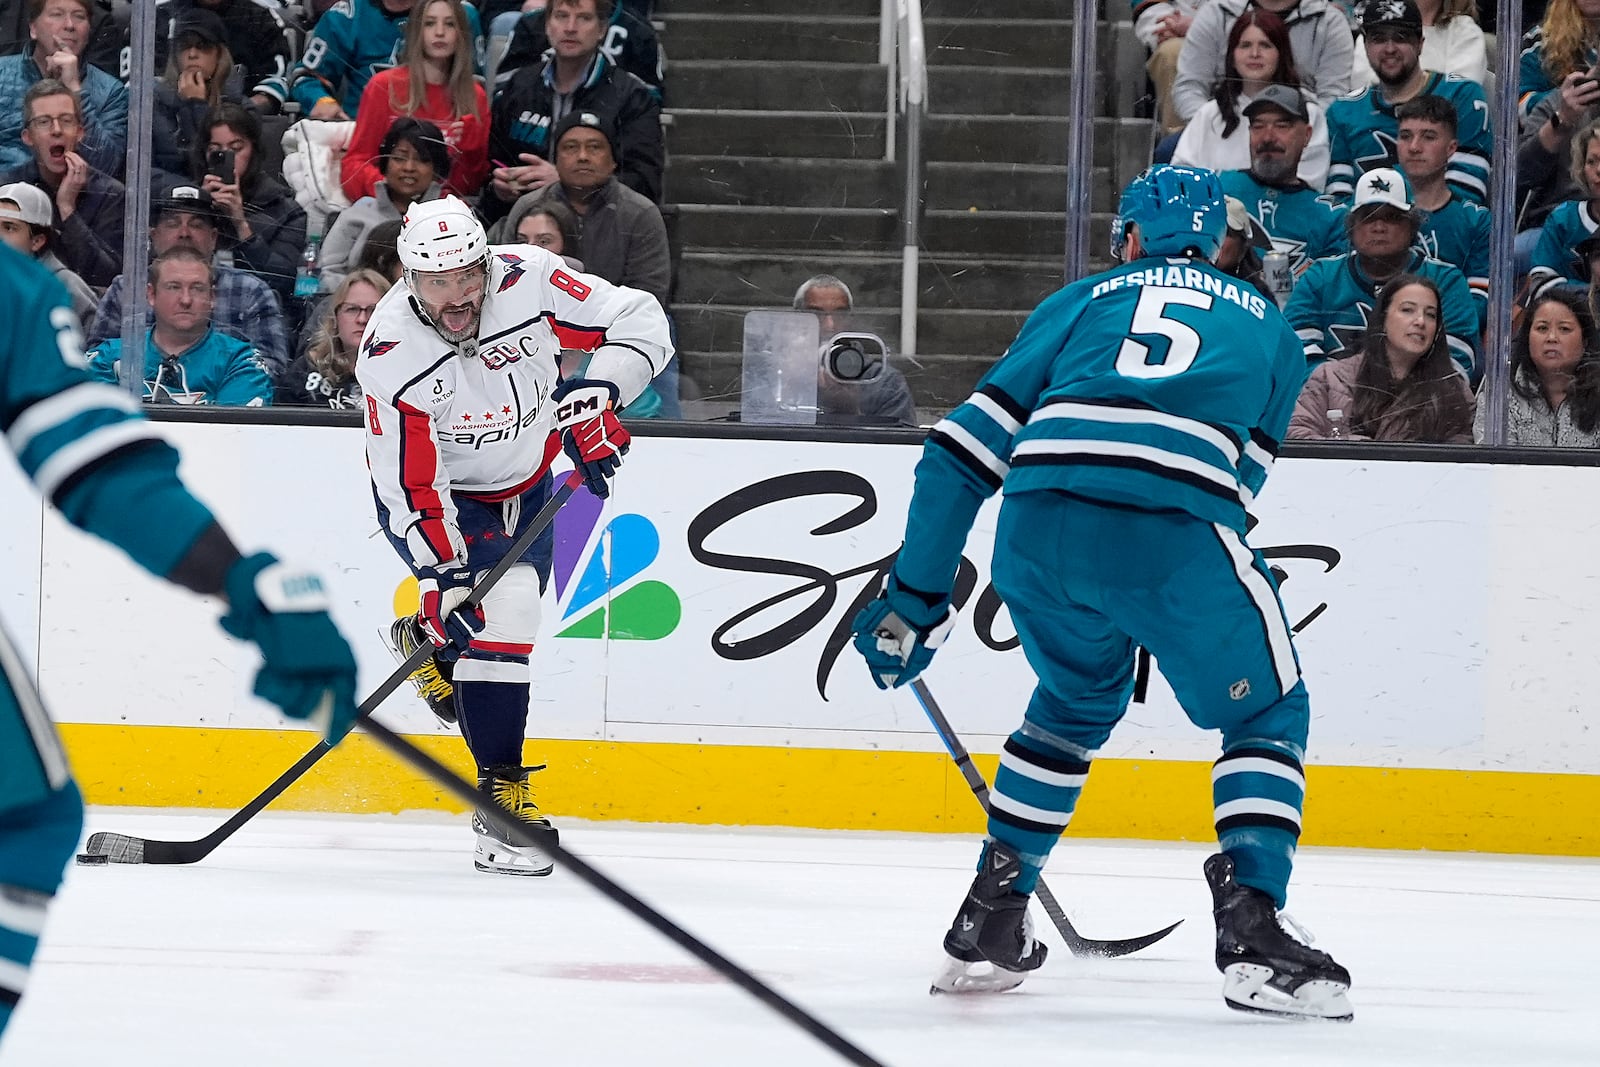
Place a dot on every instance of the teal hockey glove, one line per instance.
(899, 632)
(307, 667)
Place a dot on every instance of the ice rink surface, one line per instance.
(340, 941)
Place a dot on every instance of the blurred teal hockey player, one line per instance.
(1130, 424)
(92, 455)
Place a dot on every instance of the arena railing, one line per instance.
(902, 48)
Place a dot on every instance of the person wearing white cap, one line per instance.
(26, 225)
(1333, 301)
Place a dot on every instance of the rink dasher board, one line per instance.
(1447, 644)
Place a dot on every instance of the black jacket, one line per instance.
(277, 238)
(256, 37)
(630, 44)
(90, 241)
(522, 117)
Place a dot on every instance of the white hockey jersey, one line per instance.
(440, 422)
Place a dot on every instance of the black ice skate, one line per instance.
(1264, 969)
(507, 786)
(990, 947)
(433, 678)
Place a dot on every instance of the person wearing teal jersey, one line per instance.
(92, 455)
(1289, 216)
(1130, 424)
(1452, 229)
(1333, 300)
(186, 361)
(1362, 128)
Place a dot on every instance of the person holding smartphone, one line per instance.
(269, 227)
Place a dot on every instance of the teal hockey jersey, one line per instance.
(1363, 134)
(1555, 258)
(1458, 234)
(1295, 220)
(1333, 301)
(85, 444)
(1163, 384)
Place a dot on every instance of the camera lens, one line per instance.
(847, 361)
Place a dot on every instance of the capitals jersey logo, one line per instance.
(375, 348)
(514, 270)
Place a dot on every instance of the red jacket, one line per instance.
(468, 136)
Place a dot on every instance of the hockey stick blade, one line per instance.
(104, 847)
(546, 840)
(1076, 943)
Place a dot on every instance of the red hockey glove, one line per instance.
(594, 440)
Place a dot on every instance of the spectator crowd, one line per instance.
(1354, 142)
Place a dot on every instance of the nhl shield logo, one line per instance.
(1240, 689)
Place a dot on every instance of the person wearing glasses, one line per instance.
(325, 374)
(60, 30)
(88, 203)
(186, 360)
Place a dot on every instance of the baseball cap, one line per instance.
(1287, 100)
(33, 204)
(587, 119)
(198, 22)
(1382, 186)
(188, 198)
(1398, 14)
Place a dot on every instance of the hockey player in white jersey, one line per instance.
(465, 412)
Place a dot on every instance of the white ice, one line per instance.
(343, 941)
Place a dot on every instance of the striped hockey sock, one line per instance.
(1035, 792)
(22, 914)
(1259, 789)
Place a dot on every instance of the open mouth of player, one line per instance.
(457, 318)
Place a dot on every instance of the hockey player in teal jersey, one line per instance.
(1333, 300)
(1132, 421)
(1452, 229)
(1556, 259)
(1363, 133)
(91, 454)
(1291, 217)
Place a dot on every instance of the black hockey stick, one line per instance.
(107, 847)
(1077, 944)
(548, 843)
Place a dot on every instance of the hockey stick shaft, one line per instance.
(517, 831)
(1076, 943)
(106, 847)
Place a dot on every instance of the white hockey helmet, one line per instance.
(441, 235)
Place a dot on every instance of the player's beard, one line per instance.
(1274, 169)
(457, 322)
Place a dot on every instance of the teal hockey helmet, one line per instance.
(1179, 210)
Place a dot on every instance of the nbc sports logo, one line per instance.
(592, 561)
(646, 610)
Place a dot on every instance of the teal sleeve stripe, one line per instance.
(133, 499)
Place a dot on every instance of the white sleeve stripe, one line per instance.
(999, 415)
(960, 435)
(1309, 333)
(23, 915)
(74, 456)
(1140, 417)
(46, 741)
(54, 410)
(1262, 457)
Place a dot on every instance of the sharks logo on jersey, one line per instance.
(1294, 220)
(1363, 134)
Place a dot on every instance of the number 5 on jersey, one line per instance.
(1150, 318)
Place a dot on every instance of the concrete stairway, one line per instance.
(776, 171)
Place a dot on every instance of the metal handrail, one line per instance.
(907, 61)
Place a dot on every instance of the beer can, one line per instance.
(1280, 279)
